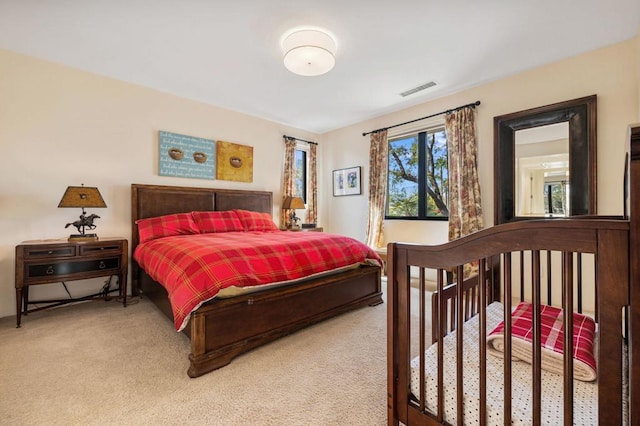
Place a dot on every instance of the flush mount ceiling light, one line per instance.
(309, 52)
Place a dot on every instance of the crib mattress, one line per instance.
(585, 393)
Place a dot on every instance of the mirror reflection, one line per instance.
(542, 171)
(545, 176)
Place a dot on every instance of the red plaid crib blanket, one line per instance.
(552, 340)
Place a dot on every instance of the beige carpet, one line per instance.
(99, 363)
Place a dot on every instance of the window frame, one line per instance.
(421, 135)
(304, 148)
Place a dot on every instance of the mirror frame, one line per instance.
(581, 114)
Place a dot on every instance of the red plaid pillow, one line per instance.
(166, 226)
(224, 221)
(256, 221)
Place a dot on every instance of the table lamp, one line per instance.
(83, 197)
(293, 203)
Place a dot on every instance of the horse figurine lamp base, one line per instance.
(83, 196)
(84, 222)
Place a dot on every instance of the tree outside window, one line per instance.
(555, 198)
(300, 175)
(418, 176)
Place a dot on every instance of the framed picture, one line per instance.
(186, 156)
(347, 182)
(234, 162)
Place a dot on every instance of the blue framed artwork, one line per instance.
(186, 156)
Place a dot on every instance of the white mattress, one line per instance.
(585, 393)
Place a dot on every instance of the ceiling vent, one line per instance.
(417, 89)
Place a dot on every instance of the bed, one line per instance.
(482, 349)
(223, 328)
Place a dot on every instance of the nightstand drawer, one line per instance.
(70, 268)
(41, 252)
(96, 249)
(318, 229)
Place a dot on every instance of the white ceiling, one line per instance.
(227, 53)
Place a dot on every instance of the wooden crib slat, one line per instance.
(494, 282)
(468, 301)
(421, 327)
(482, 283)
(567, 306)
(441, 332)
(453, 306)
(459, 344)
(579, 284)
(537, 353)
(507, 332)
(549, 295)
(471, 298)
(465, 304)
(522, 276)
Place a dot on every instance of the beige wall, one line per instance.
(611, 73)
(60, 126)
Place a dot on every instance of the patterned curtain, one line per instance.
(378, 160)
(465, 206)
(288, 176)
(312, 186)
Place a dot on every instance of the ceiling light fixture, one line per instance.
(309, 52)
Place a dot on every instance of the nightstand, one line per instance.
(317, 229)
(53, 261)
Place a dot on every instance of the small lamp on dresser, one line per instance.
(83, 197)
(293, 203)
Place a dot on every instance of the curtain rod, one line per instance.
(301, 140)
(475, 104)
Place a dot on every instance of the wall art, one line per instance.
(347, 182)
(186, 156)
(234, 162)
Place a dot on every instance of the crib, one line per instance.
(457, 349)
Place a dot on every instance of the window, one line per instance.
(555, 198)
(300, 177)
(418, 176)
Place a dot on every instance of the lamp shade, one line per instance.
(293, 203)
(309, 52)
(82, 196)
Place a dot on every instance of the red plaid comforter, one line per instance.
(194, 268)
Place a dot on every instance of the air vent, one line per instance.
(417, 89)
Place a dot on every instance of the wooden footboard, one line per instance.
(559, 261)
(222, 329)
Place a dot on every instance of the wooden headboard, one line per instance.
(158, 200)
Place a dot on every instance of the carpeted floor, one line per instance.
(98, 363)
